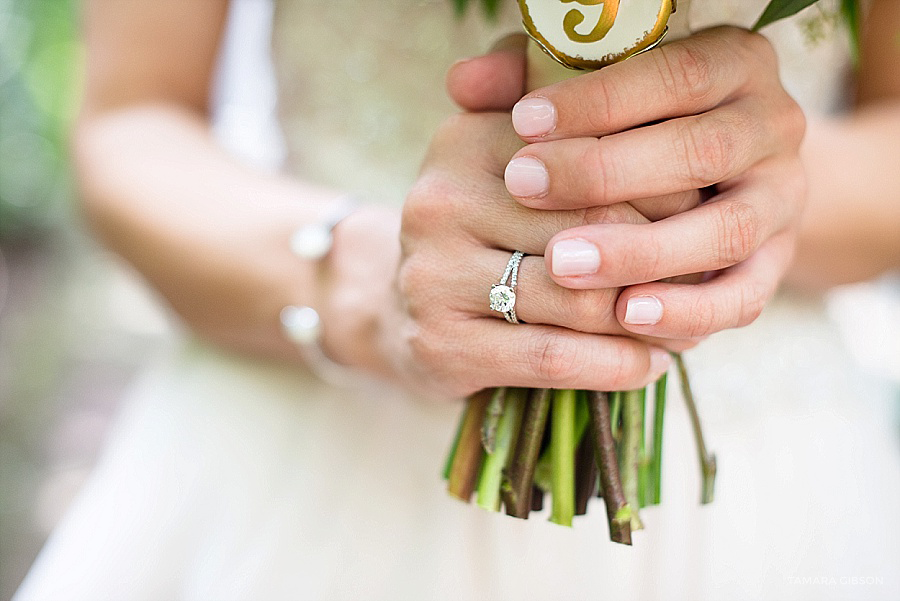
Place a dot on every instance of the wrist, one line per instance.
(356, 299)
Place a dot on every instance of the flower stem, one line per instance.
(707, 461)
(643, 456)
(617, 511)
(659, 410)
(537, 499)
(492, 419)
(562, 453)
(585, 475)
(469, 451)
(615, 412)
(507, 430)
(448, 463)
(629, 455)
(518, 486)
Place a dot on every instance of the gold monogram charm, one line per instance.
(589, 34)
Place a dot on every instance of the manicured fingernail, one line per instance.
(527, 177)
(660, 361)
(574, 257)
(534, 117)
(643, 311)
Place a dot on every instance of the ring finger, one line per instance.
(539, 300)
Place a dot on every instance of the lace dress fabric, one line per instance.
(229, 479)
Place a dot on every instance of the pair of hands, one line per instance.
(682, 160)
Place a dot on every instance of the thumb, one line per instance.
(492, 82)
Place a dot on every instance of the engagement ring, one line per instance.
(503, 296)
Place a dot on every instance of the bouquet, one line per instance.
(515, 446)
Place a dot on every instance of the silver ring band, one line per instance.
(503, 297)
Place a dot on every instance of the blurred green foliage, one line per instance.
(40, 73)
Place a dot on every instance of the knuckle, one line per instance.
(710, 149)
(752, 302)
(429, 202)
(590, 310)
(686, 344)
(647, 263)
(415, 287)
(553, 358)
(739, 231)
(451, 130)
(626, 373)
(703, 319)
(602, 107)
(796, 119)
(687, 72)
(602, 172)
(759, 46)
(425, 347)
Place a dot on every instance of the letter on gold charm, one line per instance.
(605, 22)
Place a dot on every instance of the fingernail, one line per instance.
(534, 117)
(527, 177)
(574, 257)
(643, 311)
(660, 361)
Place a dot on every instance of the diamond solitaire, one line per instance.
(503, 296)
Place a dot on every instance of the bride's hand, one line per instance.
(459, 228)
(708, 112)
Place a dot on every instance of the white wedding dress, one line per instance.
(226, 478)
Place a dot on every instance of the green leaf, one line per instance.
(491, 8)
(459, 7)
(781, 9)
(850, 12)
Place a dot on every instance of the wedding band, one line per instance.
(503, 297)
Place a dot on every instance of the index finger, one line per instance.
(683, 78)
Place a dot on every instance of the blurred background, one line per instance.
(74, 325)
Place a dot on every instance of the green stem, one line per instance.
(492, 419)
(629, 456)
(659, 410)
(643, 457)
(582, 414)
(491, 477)
(617, 510)
(448, 463)
(469, 450)
(562, 453)
(615, 412)
(707, 461)
(518, 486)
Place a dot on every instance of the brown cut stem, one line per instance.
(585, 475)
(469, 453)
(617, 510)
(518, 484)
(537, 498)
